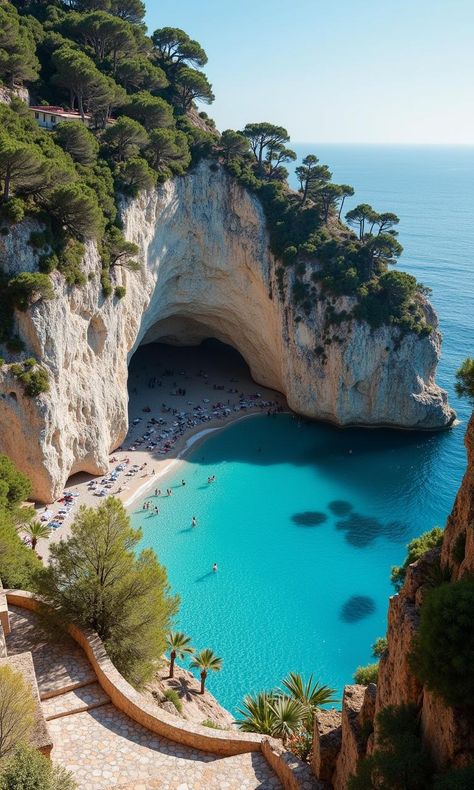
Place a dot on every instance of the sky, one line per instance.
(338, 71)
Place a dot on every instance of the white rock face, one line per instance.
(208, 273)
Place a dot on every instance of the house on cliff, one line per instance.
(48, 116)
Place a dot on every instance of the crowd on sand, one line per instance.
(168, 412)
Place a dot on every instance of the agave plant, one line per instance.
(257, 713)
(311, 695)
(36, 531)
(179, 644)
(206, 661)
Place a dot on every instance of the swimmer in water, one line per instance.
(214, 567)
(183, 482)
(194, 522)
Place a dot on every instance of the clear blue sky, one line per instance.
(393, 71)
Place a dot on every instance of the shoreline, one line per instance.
(177, 398)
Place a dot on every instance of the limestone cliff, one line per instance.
(207, 272)
(448, 732)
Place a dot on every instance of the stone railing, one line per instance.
(292, 772)
(3, 645)
(4, 616)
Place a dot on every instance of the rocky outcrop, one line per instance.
(18, 92)
(208, 272)
(340, 737)
(327, 741)
(447, 732)
(458, 541)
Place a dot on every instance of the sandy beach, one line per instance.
(177, 397)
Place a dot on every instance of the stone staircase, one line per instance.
(104, 748)
(66, 702)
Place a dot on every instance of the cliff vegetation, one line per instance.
(136, 95)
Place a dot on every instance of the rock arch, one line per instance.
(207, 271)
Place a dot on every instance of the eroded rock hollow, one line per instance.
(208, 272)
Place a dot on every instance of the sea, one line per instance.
(306, 521)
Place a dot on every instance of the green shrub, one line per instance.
(379, 646)
(15, 487)
(211, 724)
(27, 769)
(25, 285)
(18, 564)
(416, 548)
(120, 291)
(48, 263)
(14, 209)
(367, 674)
(399, 761)
(172, 696)
(70, 256)
(107, 287)
(16, 710)
(33, 378)
(443, 653)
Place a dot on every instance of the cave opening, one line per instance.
(181, 374)
(163, 375)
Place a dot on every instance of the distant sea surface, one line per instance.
(431, 189)
(305, 522)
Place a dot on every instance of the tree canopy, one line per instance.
(96, 579)
(465, 380)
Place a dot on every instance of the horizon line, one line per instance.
(386, 143)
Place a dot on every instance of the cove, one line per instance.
(305, 521)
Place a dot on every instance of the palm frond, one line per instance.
(257, 714)
(207, 660)
(179, 642)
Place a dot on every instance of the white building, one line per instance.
(47, 117)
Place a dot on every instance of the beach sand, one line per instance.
(157, 373)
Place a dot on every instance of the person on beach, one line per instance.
(214, 567)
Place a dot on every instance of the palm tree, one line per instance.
(206, 661)
(288, 716)
(257, 713)
(36, 531)
(178, 645)
(312, 695)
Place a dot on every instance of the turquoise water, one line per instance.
(305, 531)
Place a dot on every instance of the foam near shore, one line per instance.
(156, 374)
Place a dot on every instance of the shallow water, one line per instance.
(304, 522)
(305, 531)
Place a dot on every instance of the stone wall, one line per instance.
(293, 774)
(4, 616)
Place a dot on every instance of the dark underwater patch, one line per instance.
(310, 518)
(356, 608)
(340, 507)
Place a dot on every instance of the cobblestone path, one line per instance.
(103, 747)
